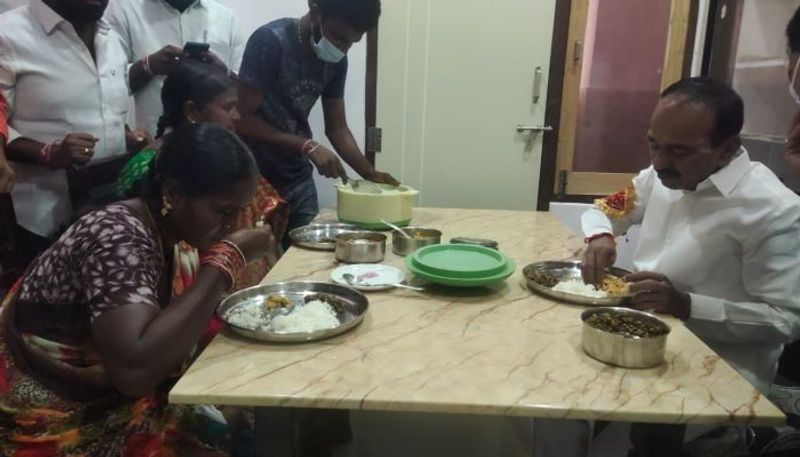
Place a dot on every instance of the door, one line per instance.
(461, 94)
(621, 54)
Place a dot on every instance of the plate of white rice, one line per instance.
(293, 311)
(567, 283)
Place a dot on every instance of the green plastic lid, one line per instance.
(462, 282)
(459, 260)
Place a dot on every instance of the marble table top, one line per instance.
(498, 350)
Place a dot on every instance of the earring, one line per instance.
(166, 206)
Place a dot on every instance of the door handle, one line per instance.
(534, 128)
(537, 84)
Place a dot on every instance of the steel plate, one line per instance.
(350, 304)
(321, 236)
(566, 271)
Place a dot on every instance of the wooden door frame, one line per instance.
(722, 40)
(680, 44)
(552, 113)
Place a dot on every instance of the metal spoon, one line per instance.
(350, 279)
(397, 229)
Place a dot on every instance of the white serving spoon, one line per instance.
(397, 229)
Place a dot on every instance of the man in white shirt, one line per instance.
(154, 33)
(720, 235)
(63, 72)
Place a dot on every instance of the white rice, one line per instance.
(313, 316)
(578, 287)
(250, 316)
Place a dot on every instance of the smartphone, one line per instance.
(195, 50)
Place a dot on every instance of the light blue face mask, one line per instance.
(792, 90)
(325, 50)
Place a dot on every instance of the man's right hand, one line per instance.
(600, 254)
(328, 163)
(163, 61)
(74, 149)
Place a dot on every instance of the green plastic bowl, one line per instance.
(459, 261)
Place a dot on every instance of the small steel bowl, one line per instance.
(624, 351)
(420, 237)
(360, 247)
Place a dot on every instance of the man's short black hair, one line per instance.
(361, 14)
(727, 104)
(793, 32)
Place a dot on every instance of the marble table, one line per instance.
(498, 350)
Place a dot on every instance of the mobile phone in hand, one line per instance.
(195, 50)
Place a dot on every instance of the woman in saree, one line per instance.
(193, 92)
(91, 337)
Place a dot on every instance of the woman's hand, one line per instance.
(255, 243)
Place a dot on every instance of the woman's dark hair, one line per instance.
(192, 80)
(361, 14)
(204, 159)
(727, 105)
(793, 32)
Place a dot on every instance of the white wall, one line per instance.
(6, 5)
(254, 13)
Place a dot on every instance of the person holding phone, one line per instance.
(288, 64)
(186, 29)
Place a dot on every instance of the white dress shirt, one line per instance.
(146, 26)
(54, 87)
(734, 245)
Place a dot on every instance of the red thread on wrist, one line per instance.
(146, 65)
(589, 239)
(45, 155)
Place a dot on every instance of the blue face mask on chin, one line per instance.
(325, 50)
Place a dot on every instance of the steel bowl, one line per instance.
(620, 350)
(420, 237)
(360, 247)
